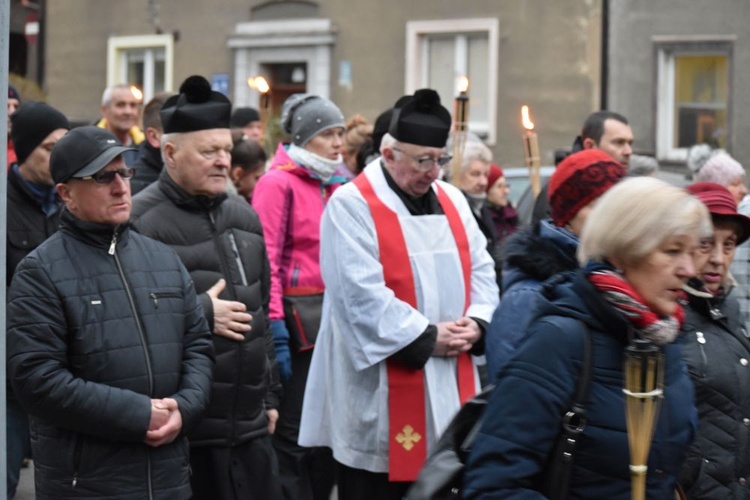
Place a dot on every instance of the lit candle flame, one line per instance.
(463, 84)
(136, 93)
(258, 83)
(527, 123)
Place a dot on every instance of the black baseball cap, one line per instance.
(83, 152)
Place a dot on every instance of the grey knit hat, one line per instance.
(303, 116)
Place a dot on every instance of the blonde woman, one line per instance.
(636, 248)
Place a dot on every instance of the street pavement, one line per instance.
(25, 490)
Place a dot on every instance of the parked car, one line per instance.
(521, 195)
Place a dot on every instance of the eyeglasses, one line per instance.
(427, 163)
(107, 177)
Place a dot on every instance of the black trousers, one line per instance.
(248, 471)
(306, 473)
(358, 484)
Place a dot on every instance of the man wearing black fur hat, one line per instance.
(220, 241)
(410, 288)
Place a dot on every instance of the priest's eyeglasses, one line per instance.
(107, 177)
(427, 163)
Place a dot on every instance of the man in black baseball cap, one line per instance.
(112, 317)
(84, 152)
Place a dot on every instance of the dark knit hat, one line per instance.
(243, 116)
(196, 107)
(383, 122)
(82, 152)
(495, 173)
(303, 116)
(721, 205)
(578, 180)
(31, 124)
(13, 93)
(422, 120)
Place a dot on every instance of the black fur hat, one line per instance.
(196, 107)
(421, 120)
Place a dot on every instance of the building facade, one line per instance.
(546, 55)
(676, 69)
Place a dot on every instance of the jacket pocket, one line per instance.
(163, 296)
(21, 239)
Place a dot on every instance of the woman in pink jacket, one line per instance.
(290, 200)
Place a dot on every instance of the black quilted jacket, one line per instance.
(89, 347)
(717, 353)
(222, 238)
(147, 167)
(28, 226)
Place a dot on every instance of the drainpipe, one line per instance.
(604, 80)
(42, 42)
(4, 44)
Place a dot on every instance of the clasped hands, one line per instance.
(456, 337)
(165, 424)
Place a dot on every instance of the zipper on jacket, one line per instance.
(701, 343)
(238, 363)
(139, 326)
(76, 460)
(148, 472)
(295, 275)
(113, 244)
(223, 264)
(155, 296)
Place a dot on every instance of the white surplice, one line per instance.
(346, 399)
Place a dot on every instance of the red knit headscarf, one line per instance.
(579, 179)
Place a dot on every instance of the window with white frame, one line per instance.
(440, 53)
(144, 61)
(693, 96)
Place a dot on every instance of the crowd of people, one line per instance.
(190, 317)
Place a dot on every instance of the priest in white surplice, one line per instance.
(410, 289)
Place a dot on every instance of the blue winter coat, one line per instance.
(536, 387)
(531, 256)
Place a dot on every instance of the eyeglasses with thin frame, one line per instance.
(427, 163)
(107, 177)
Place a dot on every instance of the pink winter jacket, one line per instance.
(290, 205)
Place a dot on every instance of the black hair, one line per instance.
(247, 153)
(151, 116)
(593, 127)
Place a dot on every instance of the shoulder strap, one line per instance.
(584, 379)
(556, 479)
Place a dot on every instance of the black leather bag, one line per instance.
(441, 477)
(303, 307)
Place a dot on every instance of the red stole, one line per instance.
(407, 432)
